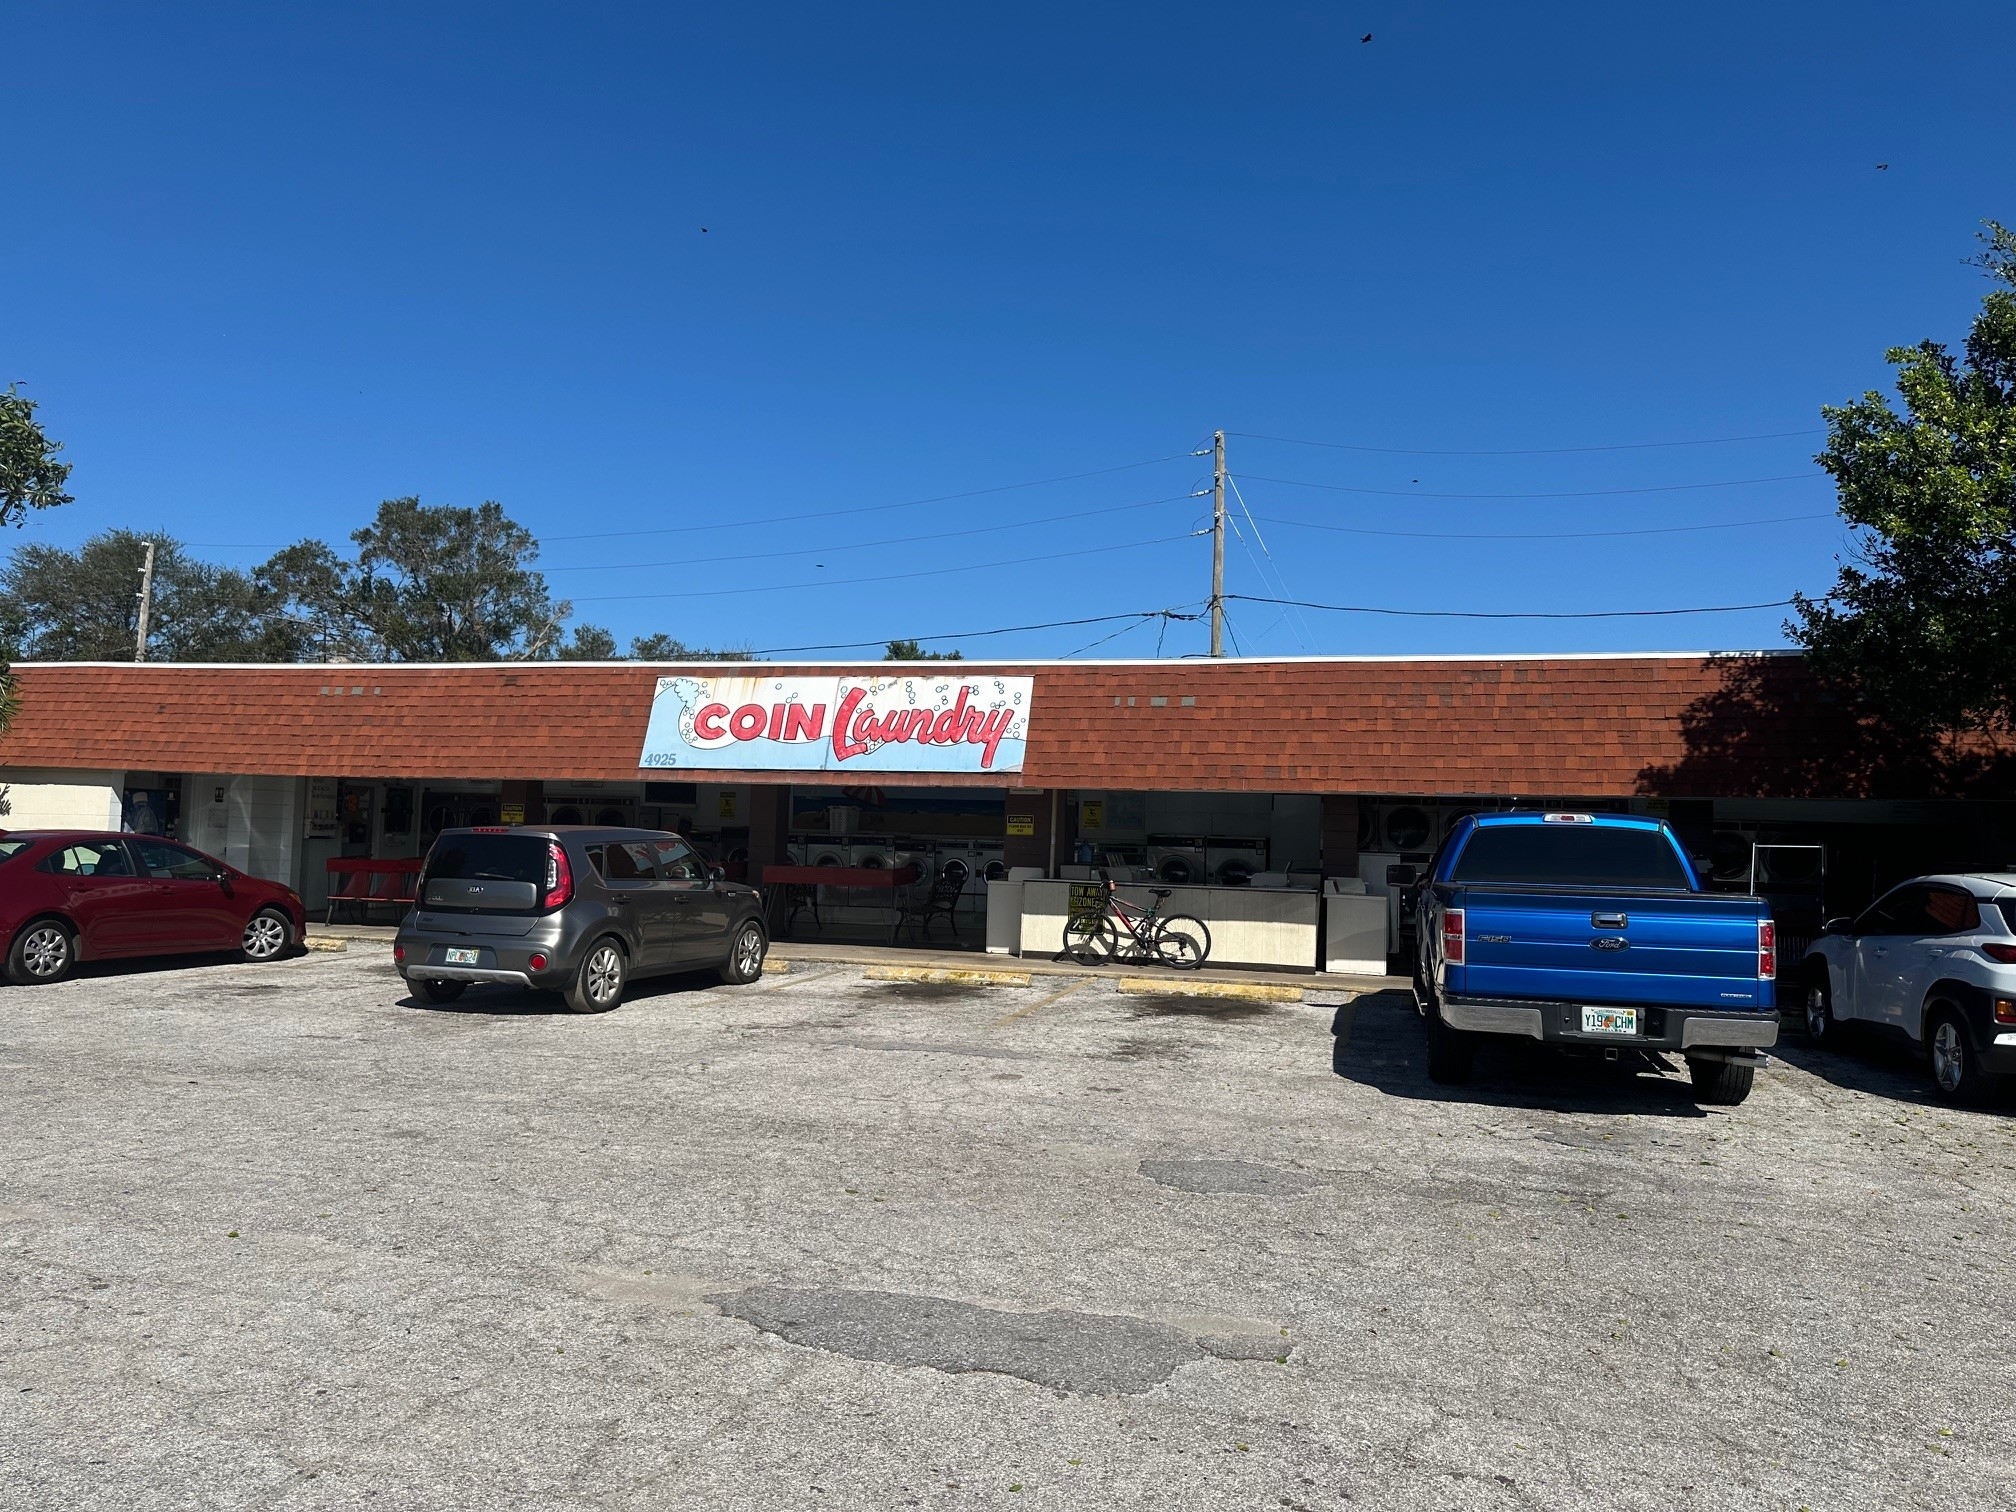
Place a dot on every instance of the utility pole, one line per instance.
(146, 604)
(1218, 543)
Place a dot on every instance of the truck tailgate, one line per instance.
(1696, 950)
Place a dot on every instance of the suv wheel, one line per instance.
(1956, 1069)
(43, 952)
(745, 957)
(598, 985)
(438, 992)
(1819, 1012)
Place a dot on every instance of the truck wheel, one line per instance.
(1451, 1053)
(1721, 1083)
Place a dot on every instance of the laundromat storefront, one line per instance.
(1291, 795)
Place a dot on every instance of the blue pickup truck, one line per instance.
(1592, 931)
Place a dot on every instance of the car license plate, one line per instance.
(470, 957)
(1609, 1020)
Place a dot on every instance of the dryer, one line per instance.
(1235, 862)
(1178, 860)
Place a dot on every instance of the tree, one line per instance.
(1924, 628)
(590, 643)
(30, 475)
(666, 648)
(910, 650)
(429, 583)
(83, 605)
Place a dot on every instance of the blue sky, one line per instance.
(267, 265)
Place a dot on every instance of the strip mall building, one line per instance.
(1251, 773)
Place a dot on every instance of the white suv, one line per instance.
(1933, 959)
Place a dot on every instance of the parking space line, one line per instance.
(1009, 1018)
(795, 979)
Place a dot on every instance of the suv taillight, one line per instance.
(1995, 951)
(1452, 937)
(1767, 950)
(559, 875)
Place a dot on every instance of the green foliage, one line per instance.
(590, 643)
(84, 605)
(428, 583)
(1924, 625)
(665, 648)
(30, 475)
(910, 650)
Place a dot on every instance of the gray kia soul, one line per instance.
(578, 909)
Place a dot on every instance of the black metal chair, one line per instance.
(943, 899)
(801, 898)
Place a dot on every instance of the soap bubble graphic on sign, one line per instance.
(818, 724)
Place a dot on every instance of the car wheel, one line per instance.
(598, 985)
(43, 952)
(1452, 1054)
(1820, 1013)
(439, 992)
(1956, 1069)
(267, 936)
(745, 957)
(1721, 1083)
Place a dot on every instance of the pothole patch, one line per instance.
(1242, 1178)
(1090, 1354)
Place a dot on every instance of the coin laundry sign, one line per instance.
(830, 724)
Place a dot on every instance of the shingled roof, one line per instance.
(1590, 726)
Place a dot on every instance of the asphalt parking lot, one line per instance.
(279, 1237)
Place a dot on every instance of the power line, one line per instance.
(1530, 451)
(1097, 619)
(801, 551)
(895, 577)
(1536, 614)
(1538, 535)
(1582, 493)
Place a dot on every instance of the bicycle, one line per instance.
(1175, 940)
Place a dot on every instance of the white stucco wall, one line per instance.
(41, 799)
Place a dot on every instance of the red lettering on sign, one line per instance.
(945, 728)
(845, 748)
(748, 722)
(801, 723)
(992, 729)
(707, 721)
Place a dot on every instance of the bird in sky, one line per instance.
(1366, 38)
(703, 230)
(1882, 167)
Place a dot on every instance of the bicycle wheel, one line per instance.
(1183, 942)
(1090, 939)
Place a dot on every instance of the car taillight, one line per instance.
(2006, 954)
(398, 953)
(1452, 937)
(559, 875)
(536, 960)
(1767, 950)
(2005, 1010)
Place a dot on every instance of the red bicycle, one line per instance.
(1174, 940)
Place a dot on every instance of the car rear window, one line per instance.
(489, 860)
(9, 849)
(1570, 856)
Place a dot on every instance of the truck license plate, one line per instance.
(470, 957)
(1609, 1020)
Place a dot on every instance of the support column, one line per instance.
(1028, 828)
(769, 827)
(1340, 835)
(527, 798)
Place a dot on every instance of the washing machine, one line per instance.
(1178, 860)
(1234, 862)
(828, 853)
(1404, 827)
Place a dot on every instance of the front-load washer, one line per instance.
(1178, 860)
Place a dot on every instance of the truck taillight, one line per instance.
(1767, 950)
(1452, 937)
(559, 875)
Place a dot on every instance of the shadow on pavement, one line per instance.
(1865, 1060)
(1379, 1041)
(516, 1002)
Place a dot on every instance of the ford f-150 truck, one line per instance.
(1592, 931)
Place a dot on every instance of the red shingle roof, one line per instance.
(1588, 726)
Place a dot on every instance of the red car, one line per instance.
(72, 895)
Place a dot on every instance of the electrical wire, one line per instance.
(1582, 493)
(1123, 630)
(1530, 451)
(894, 577)
(1538, 535)
(1165, 615)
(936, 535)
(1280, 582)
(1536, 614)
